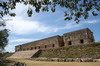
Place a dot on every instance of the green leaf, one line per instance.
(94, 14)
(12, 14)
(29, 12)
(53, 9)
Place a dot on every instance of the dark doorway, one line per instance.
(31, 48)
(82, 41)
(69, 43)
(23, 49)
(45, 46)
(35, 47)
(53, 45)
(27, 48)
(39, 47)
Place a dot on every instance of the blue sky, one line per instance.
(25, 29)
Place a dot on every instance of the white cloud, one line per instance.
(21, 40)
(20, 26)
(21, 9)
(11, 47)
(68, 25)
(92, 21)
(71, 25)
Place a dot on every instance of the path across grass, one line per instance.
(44, 63)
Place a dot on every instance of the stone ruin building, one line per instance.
(83, 36)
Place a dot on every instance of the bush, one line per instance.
(96, 42)
(2, 63)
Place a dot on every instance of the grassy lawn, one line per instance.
(78, 51)
(44, 63)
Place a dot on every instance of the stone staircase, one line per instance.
(26, 54)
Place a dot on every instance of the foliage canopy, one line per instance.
(73, 9)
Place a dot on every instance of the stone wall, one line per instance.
(84, 36)
(67, 59)
(51, 42)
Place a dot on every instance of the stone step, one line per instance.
(25, 54)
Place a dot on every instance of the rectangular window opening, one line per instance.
(39, 47)
(53, 45)
(69, 43)
(35, 47)
(45, 46)
(82, 41)
(31, 48)
(27, 48)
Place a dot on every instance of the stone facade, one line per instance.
(84, 36)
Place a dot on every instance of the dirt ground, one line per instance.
(46, 63)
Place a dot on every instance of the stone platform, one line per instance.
(25, 54)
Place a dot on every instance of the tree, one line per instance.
(73, 9)
(3, 40)
(3, 36)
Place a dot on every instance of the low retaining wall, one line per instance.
(67, 59)
(18, 64)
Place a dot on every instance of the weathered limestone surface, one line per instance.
(84, 36)
(25, 54)
(52, 42)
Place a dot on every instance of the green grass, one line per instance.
(92, 50)
(96, 42)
